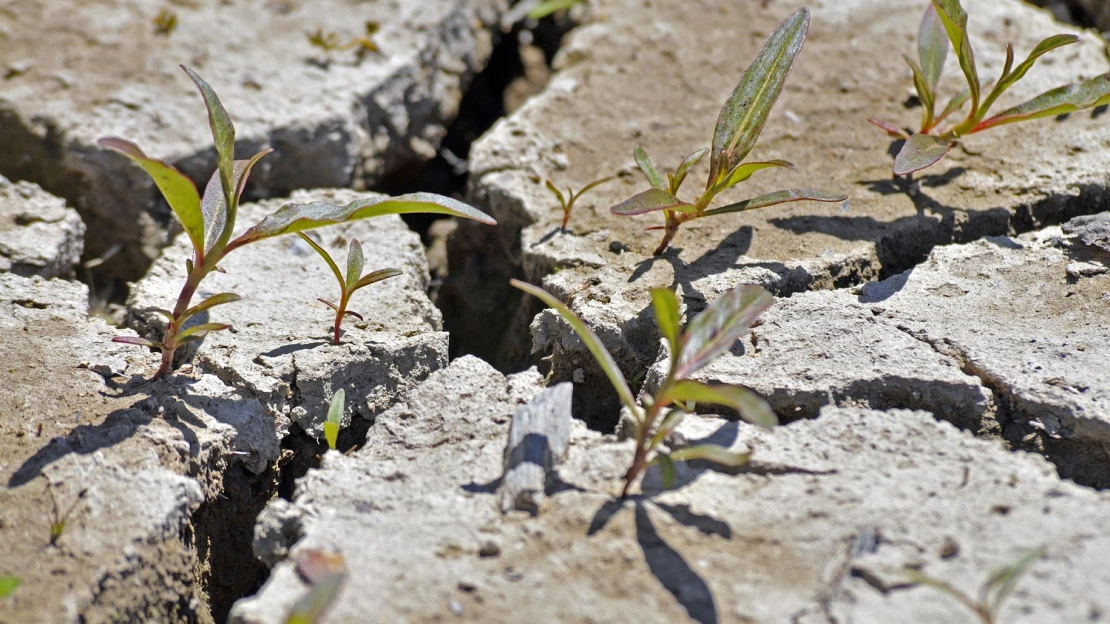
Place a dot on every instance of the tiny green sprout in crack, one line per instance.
(209, 221)
(987, 605)
(8, 585)
(349, 284)
(330, 41)
(335, 417)
(738, 127)
(566, 202)
(547, 7)
(945, 22)
(60, 519)
(707, 336)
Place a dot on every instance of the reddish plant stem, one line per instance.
(169, 342)
(643, 442)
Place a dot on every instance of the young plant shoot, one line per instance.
(738, 127)
(354, 280)
(567, 201)
(710, 334)
(992, 593)
(209, 221)
(945, 21)
(335, 417)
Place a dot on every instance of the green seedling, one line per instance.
(325, 573)
(348, 285)
(738, 127)
(709, 335)
(987, 606)
(8, 585)
(329, 41)
(548, 7)
(209, 221)
(567, 201)
(335, 417)
(945, 21)
(58, 518)
(165, 22)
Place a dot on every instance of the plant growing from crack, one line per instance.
(209, 221)
(738, 127)
(945, 21)
(8, 585)
(707, 336)
(567, 201)
(335, 417)
(349, 284)
(60, 519)
(987, 605)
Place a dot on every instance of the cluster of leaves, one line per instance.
(987, 605)
(707, 336)
(329, 41)
(335, 418)
(325, 574)
(209, 221)
(567, 201)
(945, 22)
(738, 127)
(349, 284)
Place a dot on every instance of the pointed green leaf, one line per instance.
(666, 469)
(689, 163)
(559, 194)
(746, 110)
(335, 417)
(714, 331)
(954, 105)
(355, 261)
(713, 453)
(744, 171)
(924, 91)
(745, 402)
(1002, 582)
(210, 302)
(327, 258)
(667, 316)
(648, 167)
(1009, 78)
(179, 191)
(778, 197)
(213, 206)
(310, 609)
(669, 424)
(376, 276)
(135, 340)
(932, 47)
(328, 303)
(919, 152)
(223, 134)
(1066, 99)
(164, 312)
(650, 201)
(954, 19)
(300, 217)
(8, 584)
(548, 7)
(199, 331)
(890, 128)
(593, 185)
(593, 343)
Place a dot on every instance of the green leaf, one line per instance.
(592, 185)
(744, 171)
(197, 332)
(650, 201)
(1003, 581)
(713, 453)
(890, 128)
(8, 584)
(218, 222)
(335, 417)
(666, 468)
(924, 91)
(689, 163)
(593, 343)
(670, 422)
(355, 262)
(223, 134)
(179, 191)
(778, 197)
(714, 331)
(932, 47)
(648, 167)
(164, 312)
(745, 402)
(954, 19)
(211, 302)
(1009, 78)
(544, 9)
(135, 340)
(744, 114)
(310, 608)
(667, 316)
(376, 276)
(954, 105)
(920, 151)
(1066, 99)
(327, 258)
(558, 194)
(300, 217)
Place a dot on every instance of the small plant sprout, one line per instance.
(567, 201)
(325, 574)
(738, 127)
(209, 220)
(335, 417)
(992, 593)
(354, 280)
(547, 7)
(8, 585)
(58, 518)
(945, 21)
(710, 334)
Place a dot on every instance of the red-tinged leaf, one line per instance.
(954, 19)
(328, 303)
(744, 114)
(558, 194)
(924, 91)
(179, 191)
(327, 258)
(211, 302)
(778, 197)
(717, 328)
(355, 262)
(648, 167)
(713, 453)
(744, 171)
(890, 129)
(650, 200)
(689, 163)
(376, 276)
(745, 402)
(135, 340)
(354, 314)
(213, 206)
(1066, 99)
(300, 217)
(932, 47)
(223, 134)
(197, 332)
(919, 152)
(166, 313)
(1009, 78)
